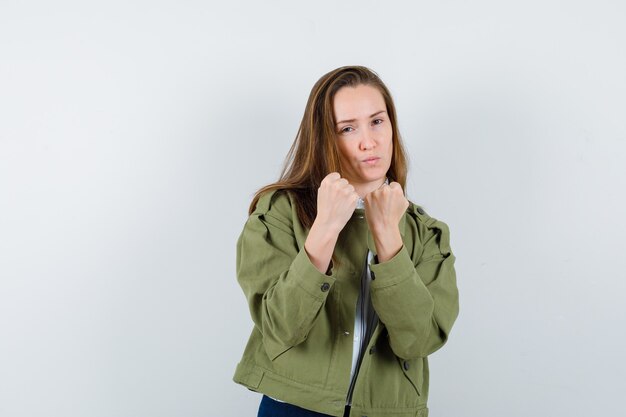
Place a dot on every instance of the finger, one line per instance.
(329, 179)
(333, 176)
(395, 185)
(343, 182)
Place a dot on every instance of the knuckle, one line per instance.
(330, 177)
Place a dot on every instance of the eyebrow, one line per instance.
(354, 120)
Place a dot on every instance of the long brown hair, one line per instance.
(314, 153)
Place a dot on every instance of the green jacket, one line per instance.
(300, 349)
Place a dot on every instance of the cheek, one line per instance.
(390, 141)
(341, 149)
(344, 151)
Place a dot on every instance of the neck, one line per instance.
(365, 188)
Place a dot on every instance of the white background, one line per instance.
(133, 135)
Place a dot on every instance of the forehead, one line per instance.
(357, 102)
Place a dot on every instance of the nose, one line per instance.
(367, 141)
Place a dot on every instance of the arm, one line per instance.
(284, 290)
(415, 292)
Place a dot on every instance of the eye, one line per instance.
(347, 129)
(377, 121)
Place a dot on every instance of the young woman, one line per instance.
(350, 285)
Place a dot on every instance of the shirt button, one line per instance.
(406, 365)
(325, 287)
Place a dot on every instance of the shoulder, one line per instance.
(274, 201)
(275, 208)
(419, 215)
(429, 228)
(417, 212)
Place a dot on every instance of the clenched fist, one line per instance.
(384, 208)
(336, 201)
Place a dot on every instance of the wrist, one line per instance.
(387, 245)
(326, 230)
(319, 246)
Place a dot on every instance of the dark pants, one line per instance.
(273, 408)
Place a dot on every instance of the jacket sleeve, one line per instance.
(284, 290)
(415, 292)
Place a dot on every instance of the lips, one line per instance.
(371, 159)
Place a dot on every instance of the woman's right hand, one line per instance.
(336, 201)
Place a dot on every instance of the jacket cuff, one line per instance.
(310, 279)
(392, 271)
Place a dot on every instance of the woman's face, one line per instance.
(364, 136)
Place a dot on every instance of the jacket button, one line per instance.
(406, 365)
(325, 286)
(372, 350)
(420, 210)
(373, 275)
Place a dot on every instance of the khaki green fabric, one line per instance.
(300, 349)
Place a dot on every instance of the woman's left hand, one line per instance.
(384, 208)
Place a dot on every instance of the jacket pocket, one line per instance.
(307, 362)
(277, 352)
(385, 381)
(413, 371)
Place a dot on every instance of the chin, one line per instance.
(377, 175)
(374, 178)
